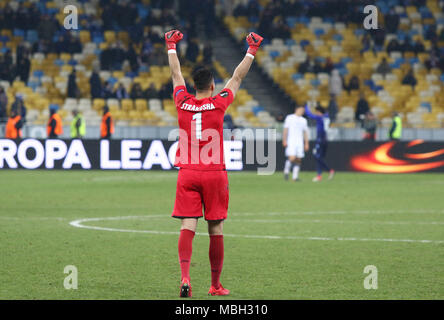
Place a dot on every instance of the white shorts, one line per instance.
(295, 150)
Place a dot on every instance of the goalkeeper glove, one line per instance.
(254, 41)
(172, 38)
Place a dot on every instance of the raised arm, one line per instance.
(310, 114)
(254, 41)
(172, 38)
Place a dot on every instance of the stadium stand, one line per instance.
(306, 40)
(119, 60)
(122, 54)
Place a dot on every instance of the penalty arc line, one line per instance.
(79, 224)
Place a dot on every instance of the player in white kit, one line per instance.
(295, 142)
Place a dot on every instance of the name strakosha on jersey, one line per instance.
(192, 107)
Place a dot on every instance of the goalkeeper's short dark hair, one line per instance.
(203, 78)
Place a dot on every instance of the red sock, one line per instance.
(185, 249)
(216, 258)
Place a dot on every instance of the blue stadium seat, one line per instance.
(338, 37)
(290, 42)
(296, 76)
(304, 43)
(38, 73)
(359, 32)
(97, 39)
(32, 36)
(343, 71)
(274, 54)
(59, 62)
(315, 82)
(427, 106)
(257, 109)
(19, 33)
(291, 21)
(319, 32)
(33, 85)
(113, 80)
(131, 74)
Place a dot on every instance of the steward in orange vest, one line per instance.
(55, 126)
(107, 126)
(14, 126)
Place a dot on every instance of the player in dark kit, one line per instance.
(320, 149)
(202, 181)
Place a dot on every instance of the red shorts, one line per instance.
(196, 188)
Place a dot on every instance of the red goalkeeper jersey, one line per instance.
(201, 140)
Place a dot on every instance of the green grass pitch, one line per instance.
(283, 240)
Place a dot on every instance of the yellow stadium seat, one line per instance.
(141, 104)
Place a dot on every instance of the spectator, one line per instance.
(108, 91)
(121, 92)
(430, 33)
(72, 90)
(118, 55)
(393, 46)
(95, 85)
(332, 108)
(407, 46)
(19, 106)
(335, 83)
(433, 61)
(384, 67)
(361, 109)
(59, 46)
(306, 66)
(370, 125)
(73, 46)
(392, 21)
(132, 58)
(151, 92)
(378, 38)
(3, 105)
(317, 68)
(353, 84)
(47, 28)
(166, 90)
(329, 65)
(192, 51)
(409, 79)
(208, 54)
(106, 57)
(228, 122)
(240, 10)
(366, 43)
(23, 68)
(136, 91)
(6, 67)
(418, 47)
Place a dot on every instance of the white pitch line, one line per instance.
(363, 212)
(338, 221)
(79, 224)
(34, 218)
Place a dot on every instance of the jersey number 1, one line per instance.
(198, 118)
